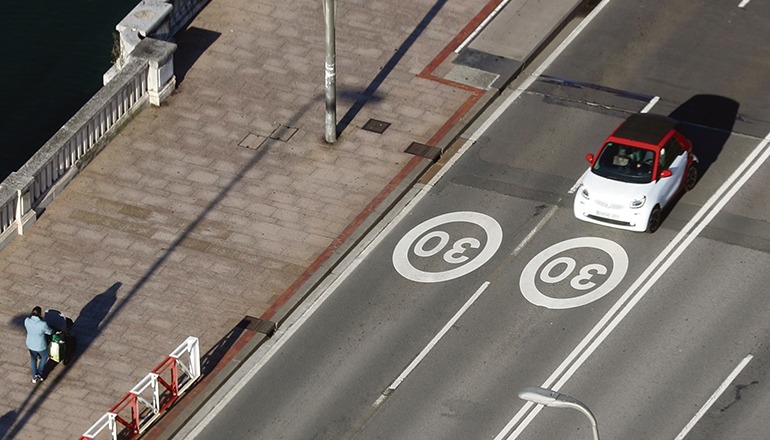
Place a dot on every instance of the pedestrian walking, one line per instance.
(37, 343)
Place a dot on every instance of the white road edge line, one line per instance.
(408, 370)
(653, 272)
(714, 397)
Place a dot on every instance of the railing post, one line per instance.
(159, 54)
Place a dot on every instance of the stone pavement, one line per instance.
(226, 202)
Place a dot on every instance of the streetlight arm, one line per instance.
(555, 399)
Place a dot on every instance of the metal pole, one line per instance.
(330, 76)
(554, 399)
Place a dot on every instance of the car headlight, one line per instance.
(638, 202)
(584, 193)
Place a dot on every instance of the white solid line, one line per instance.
(654, 271)
(537, 227)
(714, 397)
(576, 185)
(481, 27)
(651, 104)
(743, 3)
(436, 339)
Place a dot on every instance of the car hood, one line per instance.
(608, 190)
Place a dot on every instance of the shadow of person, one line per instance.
(83, 330)
(7, 420)
(707, 120)
(18, 321)
(86, 326)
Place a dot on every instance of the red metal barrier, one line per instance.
(155, 392)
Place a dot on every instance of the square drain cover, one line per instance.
(252, 141)
(283, 133)
(376, 126)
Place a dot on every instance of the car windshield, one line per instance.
(625, 163)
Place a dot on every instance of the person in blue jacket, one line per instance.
(37, 342)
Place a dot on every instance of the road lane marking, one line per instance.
(641, 286)
(543, 264)
(415, 241)
(743, 4)
(714, 397)
(430, 345)
(650, 104)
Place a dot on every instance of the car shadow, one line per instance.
(707, 120)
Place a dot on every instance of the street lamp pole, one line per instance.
(330, 75)
(554, 399)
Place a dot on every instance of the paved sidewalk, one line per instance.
(226, 202)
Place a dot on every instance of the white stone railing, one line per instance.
(26, 192)
(143, 72)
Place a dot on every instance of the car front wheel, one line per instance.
(654, 222)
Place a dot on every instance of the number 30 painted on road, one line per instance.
(549, 273)
(455, 255)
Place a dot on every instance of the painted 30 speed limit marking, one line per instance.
(574, 269)
(462, 241)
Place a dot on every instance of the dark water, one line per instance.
(53, 54)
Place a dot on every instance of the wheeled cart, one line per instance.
(62, 341)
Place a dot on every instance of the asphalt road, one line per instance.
(486, 284)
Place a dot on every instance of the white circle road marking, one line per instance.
(454, 255)
(553, 272)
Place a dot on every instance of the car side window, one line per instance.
(669, 152)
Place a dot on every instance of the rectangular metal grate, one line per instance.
(259, 325)
(423, 150)
(376, 126)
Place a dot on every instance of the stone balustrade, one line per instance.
(142, 74)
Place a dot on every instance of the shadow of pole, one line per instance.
(368, 94)
(92, 330)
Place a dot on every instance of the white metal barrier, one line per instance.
(154, 394)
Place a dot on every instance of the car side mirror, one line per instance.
(665, 173)
(590, 158)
